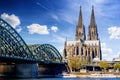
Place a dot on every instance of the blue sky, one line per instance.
(51, 21)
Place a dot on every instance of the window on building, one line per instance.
(81, 51)
(93, 54)
(77, 51)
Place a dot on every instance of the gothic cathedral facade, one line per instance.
(85, 49)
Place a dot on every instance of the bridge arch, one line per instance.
(47, 52)
(11, 43)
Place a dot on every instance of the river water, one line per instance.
(80, 79)
(66, 79)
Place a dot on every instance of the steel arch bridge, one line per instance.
(12, 46)
(48, 52)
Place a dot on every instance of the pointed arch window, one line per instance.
(93, 54)
(81, 51)
(88, 55)
(88, 52)
(92, 33)
(77, 51)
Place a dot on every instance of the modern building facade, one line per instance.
(85, 49)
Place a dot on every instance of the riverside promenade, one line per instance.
(98, 76)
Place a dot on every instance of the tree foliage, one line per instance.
(74, 63)
(78, 64)
(103, 64)
(116, 66)
(84, 62)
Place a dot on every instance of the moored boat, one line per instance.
(66, 75)
(97, 75)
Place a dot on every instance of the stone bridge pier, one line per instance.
(51, 69)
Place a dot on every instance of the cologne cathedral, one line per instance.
(85, 49)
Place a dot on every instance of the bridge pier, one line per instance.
(32, 70)
(51, 70)
(26, 70)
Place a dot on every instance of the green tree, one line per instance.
(103, 65)
(78, 64)
(70, 65)
(84, 62)
(74, 63)
(117, 66)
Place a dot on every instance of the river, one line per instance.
(66, 79)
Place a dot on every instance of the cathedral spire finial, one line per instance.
(80, 17)
(66, 38)
(92, 7)
(80, 7)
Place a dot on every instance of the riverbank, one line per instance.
(103, 76)
(96, 75)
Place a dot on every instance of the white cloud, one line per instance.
(19, 29)
(54, 28)
(105, 49)
(13, 20)
(107, 53)
(114, 32)
(37, 28)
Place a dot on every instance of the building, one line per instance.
(116, 60)
(85, 49)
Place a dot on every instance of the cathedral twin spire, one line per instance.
(80, 21)
(92, 21)
(80, 30)
(92, 34)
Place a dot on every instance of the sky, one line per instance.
(51, 21)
